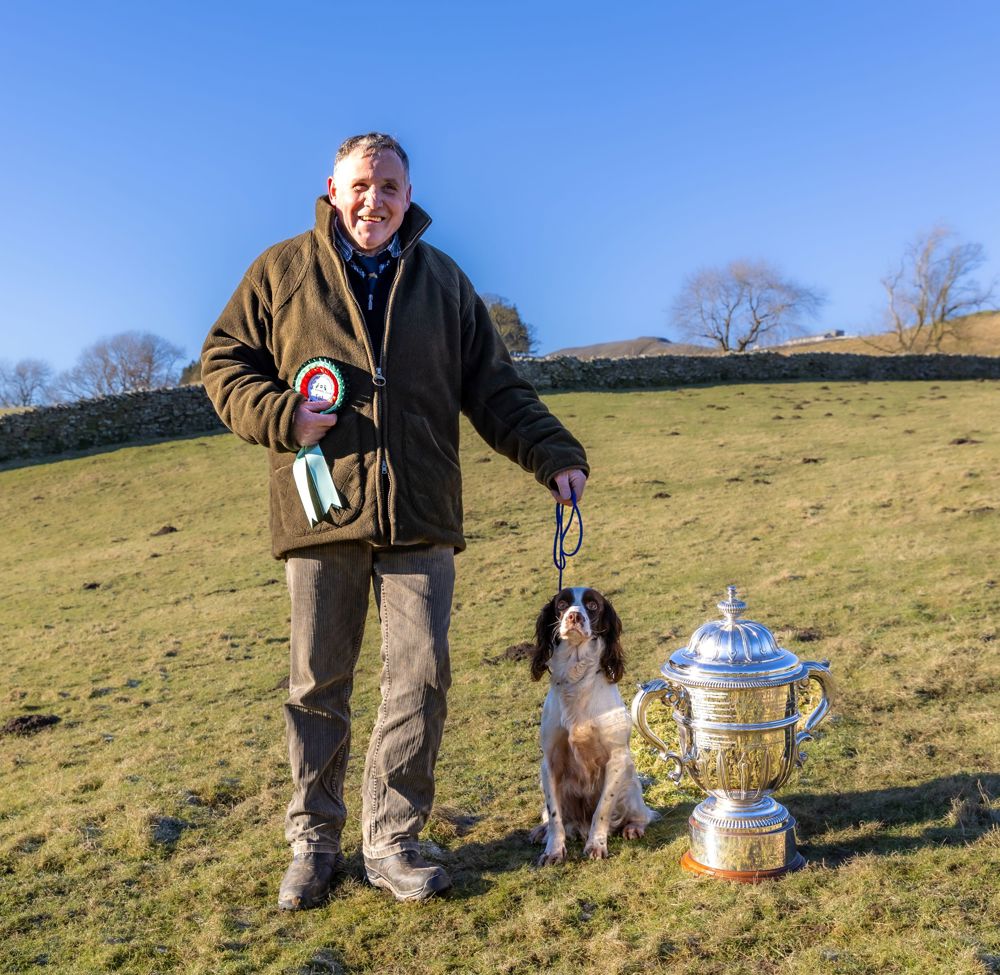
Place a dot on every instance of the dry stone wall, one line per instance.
(645, 372)
(108, 420)
(186, 410)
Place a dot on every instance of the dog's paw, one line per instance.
(596, 850)
(552, 857)
(633, 831)
(539, 834)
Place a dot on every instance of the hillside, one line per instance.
(142, 833)
(646, 345)
(979, 334)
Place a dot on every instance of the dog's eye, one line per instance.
(592, 606)
(561, 605)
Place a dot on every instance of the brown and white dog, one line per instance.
(588, 778)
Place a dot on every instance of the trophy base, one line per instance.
(742, 841)
(691, 865)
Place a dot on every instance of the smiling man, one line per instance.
(371, 194)
(349, 352)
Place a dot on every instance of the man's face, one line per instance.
(370, 194)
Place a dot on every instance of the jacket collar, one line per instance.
(346, 247)
(415, 222)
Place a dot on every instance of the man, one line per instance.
(396, 323)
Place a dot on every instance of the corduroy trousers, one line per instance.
(329, 587)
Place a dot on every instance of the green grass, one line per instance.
(143, 833)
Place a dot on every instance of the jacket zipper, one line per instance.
(379, 380)
(378, 400)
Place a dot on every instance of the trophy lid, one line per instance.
(732, 652)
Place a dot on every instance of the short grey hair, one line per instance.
(370, 144)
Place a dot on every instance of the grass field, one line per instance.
(143, 832)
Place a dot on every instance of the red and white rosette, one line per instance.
(317, 380)
(320, 379)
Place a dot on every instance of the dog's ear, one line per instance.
(544, 631)
(613, 658)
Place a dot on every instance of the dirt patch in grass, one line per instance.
(515, 652)
(28, 724)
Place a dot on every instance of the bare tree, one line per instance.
(25, 383)
(932, 288)
(125, 363)
(743, 304)
(516, 333)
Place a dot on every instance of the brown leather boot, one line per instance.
(407, 876)
(308, 880)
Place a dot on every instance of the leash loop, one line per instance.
(560, 554)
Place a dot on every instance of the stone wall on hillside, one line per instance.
(108, 420)
(186, 410)
(650, 372)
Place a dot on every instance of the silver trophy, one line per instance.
(734, 694)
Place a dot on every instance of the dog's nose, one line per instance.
(574, 617)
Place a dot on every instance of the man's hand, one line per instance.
(311, 423)
(566, 481)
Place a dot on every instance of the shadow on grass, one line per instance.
(952, 810)
(92, 450)
(474, 866)
(470, 865)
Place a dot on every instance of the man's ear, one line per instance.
(331, 191)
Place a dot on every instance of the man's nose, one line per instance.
(372, 198)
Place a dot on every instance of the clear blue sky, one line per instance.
(580, 159)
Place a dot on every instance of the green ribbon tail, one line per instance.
(315, 486)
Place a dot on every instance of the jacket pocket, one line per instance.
(344, 450)
(432, 475)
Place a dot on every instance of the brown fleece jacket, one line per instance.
(393, 453)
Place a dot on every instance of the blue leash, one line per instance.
(559, 553)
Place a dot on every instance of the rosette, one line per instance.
(318, 379)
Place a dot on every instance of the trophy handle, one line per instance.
(819, 672)
(664, 692)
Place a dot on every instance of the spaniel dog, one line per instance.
(590, 784)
